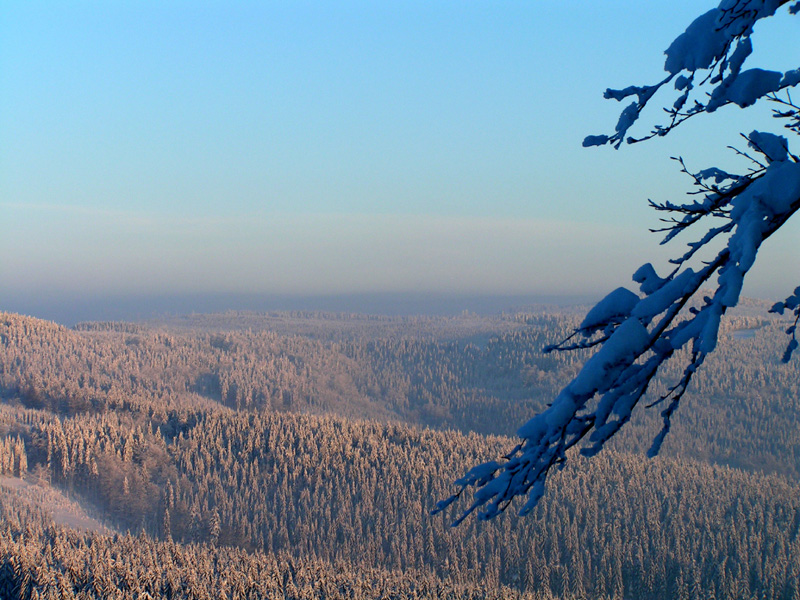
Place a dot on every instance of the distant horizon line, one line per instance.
(70, 308)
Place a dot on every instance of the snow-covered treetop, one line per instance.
(636, 333)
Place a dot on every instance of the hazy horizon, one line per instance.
(290, 150)
(69, 310)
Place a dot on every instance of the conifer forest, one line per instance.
(299, 455)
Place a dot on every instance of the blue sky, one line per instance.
(329, 148)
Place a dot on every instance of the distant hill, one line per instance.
(483, 374)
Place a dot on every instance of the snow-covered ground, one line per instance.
(51, 500)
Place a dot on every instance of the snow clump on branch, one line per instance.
(635, 334)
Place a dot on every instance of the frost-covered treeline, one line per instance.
(473, 374)
(116, 425)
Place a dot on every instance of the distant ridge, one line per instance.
(70, 309)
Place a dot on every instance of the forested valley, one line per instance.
(253, 455)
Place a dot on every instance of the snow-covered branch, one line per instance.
(705, 63)
(635, 334)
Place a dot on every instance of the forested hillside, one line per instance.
(236, 451)
(486, 375)
(41, 560)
